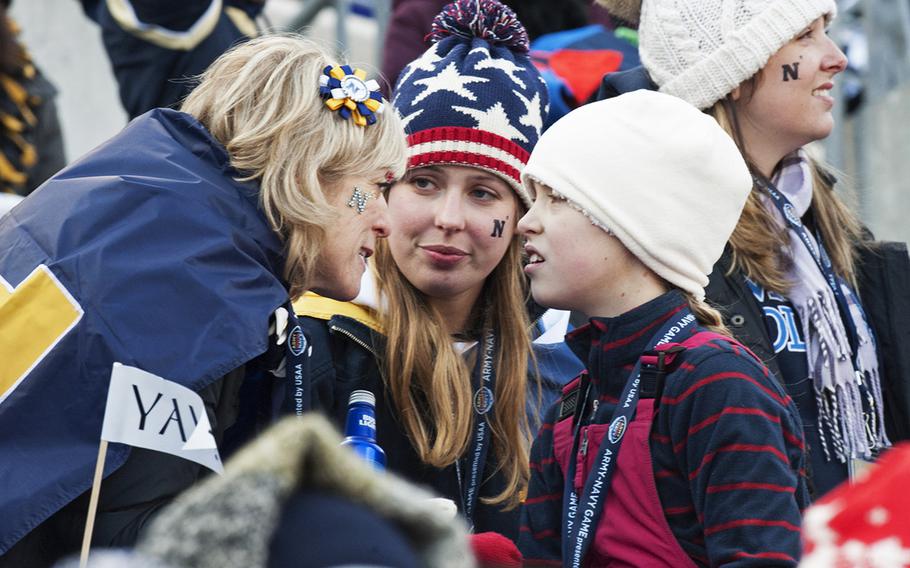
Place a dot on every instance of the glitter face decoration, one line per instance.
(359, 199)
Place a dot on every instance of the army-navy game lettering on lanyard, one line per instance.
(296, 363)
(577, 539)
(469, 483)
(820, 255)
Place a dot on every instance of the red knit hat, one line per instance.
(866, 524)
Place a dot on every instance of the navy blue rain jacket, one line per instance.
(146, 252)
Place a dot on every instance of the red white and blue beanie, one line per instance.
(474, 98)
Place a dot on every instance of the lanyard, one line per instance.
(483, 404)
(295, 364)
(820, 255)
(580, 525)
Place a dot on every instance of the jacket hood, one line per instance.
(153, 220)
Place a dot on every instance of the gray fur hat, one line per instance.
(229, 521)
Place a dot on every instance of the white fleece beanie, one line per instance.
(700, 50)
(661, 176)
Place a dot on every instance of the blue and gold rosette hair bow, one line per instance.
(348, 91)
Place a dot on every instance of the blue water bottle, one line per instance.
(360, 430)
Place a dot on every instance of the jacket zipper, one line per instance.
(352, 338)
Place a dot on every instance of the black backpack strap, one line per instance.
(655, 366)
(568, 404)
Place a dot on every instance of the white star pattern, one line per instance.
(493, 120)
(532, 116)
(543, 84)
(502, 64)
(426, 62)
(405, 120)
(449, 79)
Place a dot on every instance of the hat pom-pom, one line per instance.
(484, 19)
(628, 10)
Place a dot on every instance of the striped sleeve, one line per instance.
(737, 439)
(539, 540)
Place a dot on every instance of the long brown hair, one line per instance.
(430, 383)
(759, 243)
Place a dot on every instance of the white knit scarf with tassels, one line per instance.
(851, 419)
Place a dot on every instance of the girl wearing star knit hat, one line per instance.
(789, 281)
(676, 447)
(444, 340)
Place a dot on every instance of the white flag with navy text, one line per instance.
(146, 411)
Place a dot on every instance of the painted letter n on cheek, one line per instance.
(499, 226)
(791, 71)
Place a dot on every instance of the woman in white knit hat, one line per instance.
(788, 282)
(677, 447)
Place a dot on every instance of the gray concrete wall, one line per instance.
(884, 168)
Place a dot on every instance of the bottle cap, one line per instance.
(362, 396)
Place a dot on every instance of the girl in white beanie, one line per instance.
(789, 281)
(676, 447)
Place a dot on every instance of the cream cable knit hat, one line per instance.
(660, 175)
(700, 50)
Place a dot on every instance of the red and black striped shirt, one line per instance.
(726, 446)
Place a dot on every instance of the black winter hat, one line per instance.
(319, 530)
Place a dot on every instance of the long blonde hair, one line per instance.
(758, 243)
(261, 101)
(430, 383)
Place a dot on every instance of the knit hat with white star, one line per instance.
(474, 98)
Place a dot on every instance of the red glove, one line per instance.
(493, 550)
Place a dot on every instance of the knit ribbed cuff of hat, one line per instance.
(460, 146)
(742, 54)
